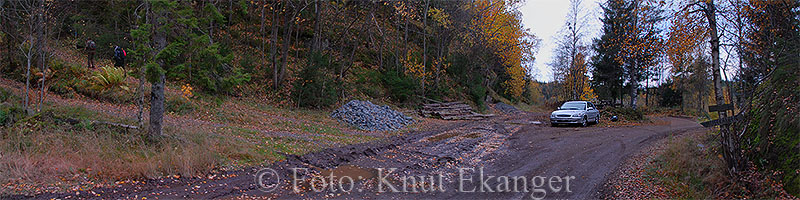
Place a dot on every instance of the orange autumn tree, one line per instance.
(639, 41)
(686, 39)
(578, 80)
(569, 57)
(500, 28)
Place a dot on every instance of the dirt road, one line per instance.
(518, 160)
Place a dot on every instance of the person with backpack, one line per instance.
(119, 56)
(90, 49)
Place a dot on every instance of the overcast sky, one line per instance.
(545, 18)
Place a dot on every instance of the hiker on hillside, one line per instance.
(90, 49)
(119, 56)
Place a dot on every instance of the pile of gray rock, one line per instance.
(505, 108)
(371, 117)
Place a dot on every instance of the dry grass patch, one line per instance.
(61, 144)
(692, 168)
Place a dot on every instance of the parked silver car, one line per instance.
(575, 112)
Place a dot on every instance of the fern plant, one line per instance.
(109, 78)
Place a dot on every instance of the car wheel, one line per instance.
(585, 122)
(597, 119)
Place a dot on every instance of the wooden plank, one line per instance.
(443, 104)
(723, 121)
(720, 108)
(450, 112)
(114, 124)
(462, 117)
(468, 116)
(445, 110)
(448, 107)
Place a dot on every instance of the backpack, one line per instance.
(91, 45)
(117, 53)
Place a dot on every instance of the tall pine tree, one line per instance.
(608, 73)
(629, 45)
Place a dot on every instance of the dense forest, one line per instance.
(303, 53)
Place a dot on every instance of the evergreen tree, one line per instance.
(631, 38)
(607, 73)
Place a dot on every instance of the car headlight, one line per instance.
(552, 115)
(577, 114)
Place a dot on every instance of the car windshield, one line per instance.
(573, 106)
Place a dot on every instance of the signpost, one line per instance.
(721, 121)
(720, 108)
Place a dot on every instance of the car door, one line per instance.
(593, 112)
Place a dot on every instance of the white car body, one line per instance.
(575, 112)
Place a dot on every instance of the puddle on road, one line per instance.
(352, 171)
(473, 135)
(448, 135)
(333, 176)
(442, 136)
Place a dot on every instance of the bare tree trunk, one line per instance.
(380, 45)
(729, 140)
(405, 36)
(211, 27)
(646, 91)
(29, 56)
(297, 39)
(8, 48)
(230, 12)
(274, 48)
(157, 105)
(263, 48)
(3, 22)
(424, 44)
(42, 54)
(140, 92)
(261, 28)
(157, 88)
(634, 86)
(287, 40)
(315, 42)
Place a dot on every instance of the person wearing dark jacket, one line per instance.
(90, 49)
(119, 56)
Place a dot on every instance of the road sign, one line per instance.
(723, 121)
(720, 108)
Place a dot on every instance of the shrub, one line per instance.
(109, 78)
(315, 88)
(66, 77)
(625, 113)
(210, 67)
(477, 94)
(9, 113)
(4, 95)
(669, 96)
(179, 105)
(400, 86)
(368, 82)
